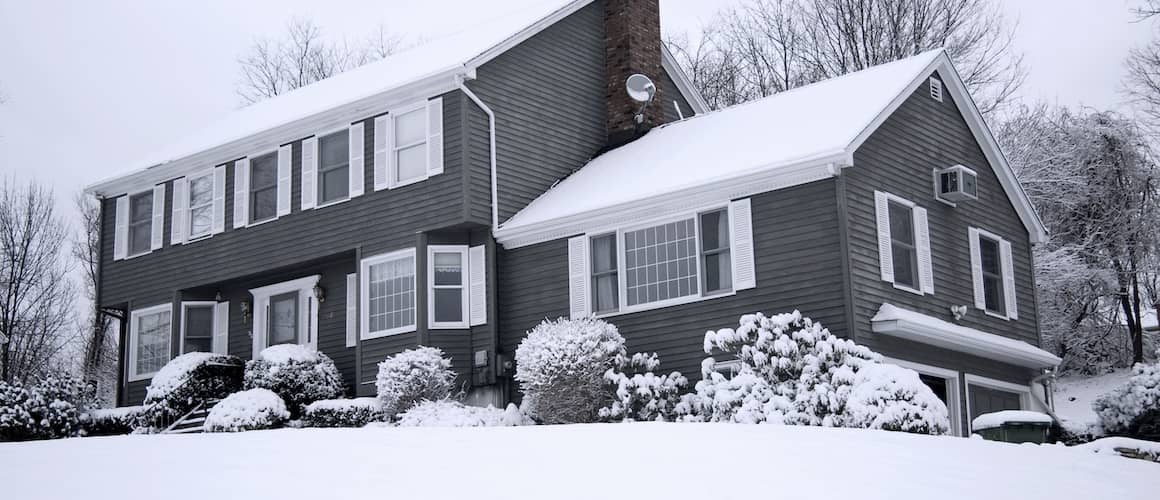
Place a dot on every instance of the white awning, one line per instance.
(897, 322)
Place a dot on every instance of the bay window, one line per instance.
(388, 294)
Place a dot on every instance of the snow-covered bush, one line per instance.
(299, 374)
(643, 396)
(560, 366)
(447, 413)
(356, 412)
(110, 421)
(412, 376)
(188, 380)
(48, 410)
(793, 371)
(893, 398)
(249, 410)
(1119, 409)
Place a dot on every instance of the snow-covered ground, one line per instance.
(1074, 395)
(645, 460)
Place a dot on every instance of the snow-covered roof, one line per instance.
(818, 125)
(457, 53)
(903, 323)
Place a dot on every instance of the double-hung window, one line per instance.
(447, 274)
(140, 223)
(334, 167)
(201, 205)
(716, 262)
(992, 270)
(388, 294)
(197, 327)
(605, 294)
(410, 146)
(263, 187)
(903, 244)
(149, 335)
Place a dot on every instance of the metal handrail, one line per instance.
(166, 422)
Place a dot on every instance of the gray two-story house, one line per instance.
(458, 193)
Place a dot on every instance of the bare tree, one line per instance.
(36, 296)
(1147, 10)
(776, 45)
(303, 56)
(99, 365)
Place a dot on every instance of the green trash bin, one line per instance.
(1013, 426)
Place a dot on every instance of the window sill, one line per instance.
(134, 256)
(993, 314)
(668, 303)
(263, 221)
(387, 333)
(448, 326)
(332, 203)
(195, 239)
(138, 378)
(408, 183)
(907, 289)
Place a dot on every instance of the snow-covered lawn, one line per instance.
(644, 460)
(1074, 395)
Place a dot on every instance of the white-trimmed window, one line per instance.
(993, 274)
(140, 223)
(286, 313)
(667, 262)
(387, 295)
(197, 325)
(334, 167)
(408, 144)
(447, 291)
(903, 244)
(263, 189)
(150, 335)
(201, 196)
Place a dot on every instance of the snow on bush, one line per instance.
(447, 413)
(186, 381)
(793, 371)
(560, 366)
(50, 409)
(299, 374)
(252, 409)
(412, 376)
(643, 396)
(356, 412)
(1130, 405)
(110, 421)
(892, 398)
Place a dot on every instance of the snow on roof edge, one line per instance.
(889, 312)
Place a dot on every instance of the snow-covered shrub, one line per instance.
(110, 421)
(447, 413)
(643, 395)
(299, 374)
(412, 376)
(1118, 409)
(249, 410)
(560, 366)
(48, 410)
(793, 371)
(356, 412)
(893, 398)
(188, 380)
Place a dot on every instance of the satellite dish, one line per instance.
(640, 88)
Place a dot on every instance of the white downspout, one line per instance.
(491, 141)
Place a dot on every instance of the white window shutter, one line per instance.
(284, 180)
(180, 211)
(1009, 279)
(977, 269)
(885, 257)
(309, 173)
(221, 328)
(578, 276)
(382, 151)
(258, 319)
(435, 136)
(121, 229)
(219, 200)
(241, 192)
(922, 242)
(477, 283)
(355, 170)
(158, 225)
(351, 310)
(744, 268)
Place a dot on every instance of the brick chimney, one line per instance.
(632, 37)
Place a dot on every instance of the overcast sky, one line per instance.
(91, 86)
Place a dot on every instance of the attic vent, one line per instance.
(936, 89)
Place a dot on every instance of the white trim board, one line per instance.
(307, 311)
(897, 322)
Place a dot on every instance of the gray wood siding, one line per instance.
(797, 255)
(899, 157)
(672, 94)
(374, 223)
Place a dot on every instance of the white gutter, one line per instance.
(491, 147)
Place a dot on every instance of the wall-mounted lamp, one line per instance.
(320, 294)
(245, 312)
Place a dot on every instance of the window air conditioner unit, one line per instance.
(957, 183)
